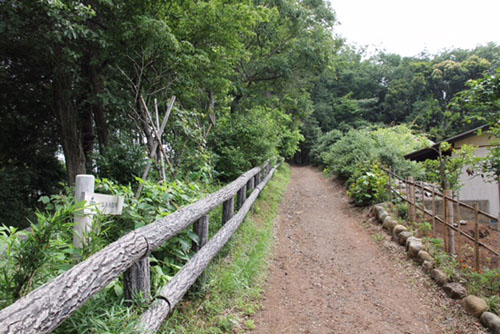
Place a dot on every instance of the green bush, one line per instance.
(368, 185)
(244, 140)
(322, 144)
(354, 149)
(121, 163)
(362, 147)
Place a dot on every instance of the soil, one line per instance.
(334, 273)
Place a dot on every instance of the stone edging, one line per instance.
(473, 305)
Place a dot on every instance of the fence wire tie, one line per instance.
(165, 299)
(148, 247)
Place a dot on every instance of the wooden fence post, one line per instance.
(242, 196)
(251, 184)
(137, 280)
(450, 219)
(227, 210)
(476, 237)
(200, 227)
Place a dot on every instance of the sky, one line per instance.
(410, 27)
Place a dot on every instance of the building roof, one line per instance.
(432, 152)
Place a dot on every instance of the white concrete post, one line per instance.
(83, 221)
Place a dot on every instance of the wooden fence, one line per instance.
(42, 310)
(446, 215)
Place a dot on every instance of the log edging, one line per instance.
(415, 251)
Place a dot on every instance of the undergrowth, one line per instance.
(233, 282)
(235, 278)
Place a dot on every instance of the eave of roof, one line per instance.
(432, 152)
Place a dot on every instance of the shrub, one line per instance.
(368, 185)
(322, 144)
(244, 140)
(363, 147)
(121, 163)
(354, 149)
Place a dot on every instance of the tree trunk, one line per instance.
(67, 119)
(88, 136)
(95, 77)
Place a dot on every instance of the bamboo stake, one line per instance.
(156, 133)
(476, 237)
(445, 221)
(450, 219)
(162, 161)
(413, 210)
(434, 211)
(389, 185)
(498, 231)
(155, 145)
(459, 218)
(408, 197)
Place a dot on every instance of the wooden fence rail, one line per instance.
(42, 310)
(409, 196)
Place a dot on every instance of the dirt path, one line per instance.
(329, 275)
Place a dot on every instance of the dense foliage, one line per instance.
(82, 79)
(84, 84)
(387, 89)
(358, 155)
(364, 147)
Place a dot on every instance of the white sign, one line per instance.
(105, 204)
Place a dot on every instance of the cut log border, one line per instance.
(42, 310)
(453, 290)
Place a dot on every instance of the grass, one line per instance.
(235, 279)
(378, 237)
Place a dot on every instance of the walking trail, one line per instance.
(330, 275)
